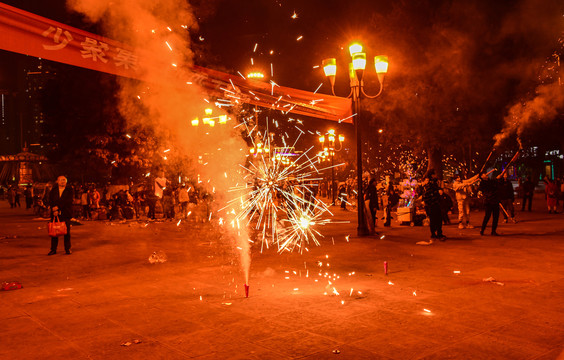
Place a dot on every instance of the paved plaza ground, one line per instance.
(433, 304)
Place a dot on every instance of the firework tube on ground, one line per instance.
(246, 290)
(386, 267)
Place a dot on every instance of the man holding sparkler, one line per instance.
(490, 191)
(432, 200)
(463, 189)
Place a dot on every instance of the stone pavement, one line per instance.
(433, 304)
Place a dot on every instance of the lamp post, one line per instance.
(328, 144)
(356, 74)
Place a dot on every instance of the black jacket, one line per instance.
(506, 190)
(431, 196)
(490, 191)
(372, 195)
(63, 202)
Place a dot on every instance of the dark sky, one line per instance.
(428, 41)
(505, 30)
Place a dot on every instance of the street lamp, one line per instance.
(328, 145)
(356, 75)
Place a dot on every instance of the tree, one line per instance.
(454, 68)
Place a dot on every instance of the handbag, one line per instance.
(56, 227)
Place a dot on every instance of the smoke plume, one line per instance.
(544, 107)
(166, 101)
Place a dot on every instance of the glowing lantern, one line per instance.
(381, 64)
(222, 119)
(341, 138)
(359, 61)
(255, 75)
(195, 122)
(355, 48)
(322, 139)
(330, 67)
(359, 64)
(208, 111)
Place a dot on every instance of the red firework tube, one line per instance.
(488, 158)
(386, 267)
(246, 290)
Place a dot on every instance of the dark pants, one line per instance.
(55, 240)
(445, 218)
(152, 204)
(491, 209)
(373, 212)
(435, 220)
(86, 212)
(388, 215)
(508, 206)
(525, 198)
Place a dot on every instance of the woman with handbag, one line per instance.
(60, 200)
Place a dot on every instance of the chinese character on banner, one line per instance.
(94, 49)
(126, 58)
(61, 43)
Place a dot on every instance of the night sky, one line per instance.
(467, 61)
(503, 34)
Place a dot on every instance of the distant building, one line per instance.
(21, 111)
(9, 123)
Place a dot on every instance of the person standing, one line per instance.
(490, 191)
(60, 200)
(84, 197)
(507, 196)
(183, 199)
(528, 191)
(371, 195)
(432, 200)
(343, 195)
(12, 197)
(94, 198)
(28, 193)
(551, 190)
(393, 200)
(463, 189)
(446, 206)
(16, 196)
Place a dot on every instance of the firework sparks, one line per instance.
(277, 199)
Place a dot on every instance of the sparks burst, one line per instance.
(278, 199)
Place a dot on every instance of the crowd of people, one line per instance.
(161, 199)
(497, 194)
(118, 202)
